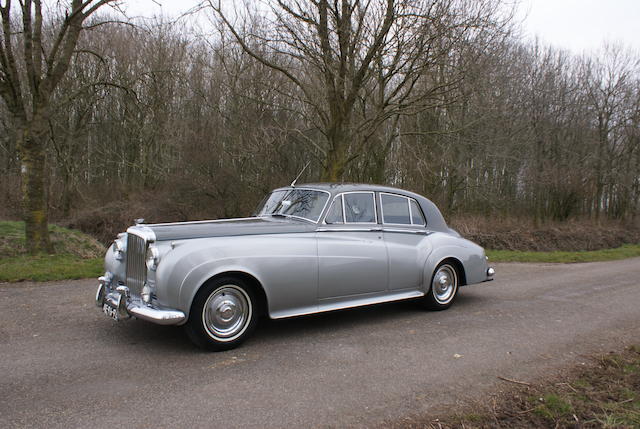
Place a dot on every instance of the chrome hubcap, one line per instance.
(227, 313)
(445, 284)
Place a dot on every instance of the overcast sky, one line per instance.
(577, 25)
(581, 25)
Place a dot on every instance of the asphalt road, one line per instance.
(63, 364)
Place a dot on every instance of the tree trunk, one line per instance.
(335, 164)
(66, 193)
(32, 155)
(336, 158)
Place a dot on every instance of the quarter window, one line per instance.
(335, 214)
(417, 218)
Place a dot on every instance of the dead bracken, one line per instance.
(603, 393)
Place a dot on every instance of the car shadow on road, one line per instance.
(172, 339)
(369, 317)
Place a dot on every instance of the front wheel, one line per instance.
(223, 314)
(444, 287)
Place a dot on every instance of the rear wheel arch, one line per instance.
(459, 268)
(441, 294)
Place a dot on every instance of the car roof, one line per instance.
(335, 188)
(435, 219)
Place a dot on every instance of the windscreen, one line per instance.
(302, 203)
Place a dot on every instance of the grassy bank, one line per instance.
(623, 252)
(77, 255)
(604, 393)
(48, 268)
(524, 235)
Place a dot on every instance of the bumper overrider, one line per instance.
(120, 305)
(490, 273)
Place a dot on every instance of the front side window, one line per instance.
(359, 207)
(302, 203)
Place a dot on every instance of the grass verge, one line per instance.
(43, 268)
(602, 394)
(623, 252)
(77, 255)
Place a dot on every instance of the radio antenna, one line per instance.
(293, 184)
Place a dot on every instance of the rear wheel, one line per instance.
(223, 314)
(444, 287)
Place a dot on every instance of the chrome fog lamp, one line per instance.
(153, 258)
(146, 293)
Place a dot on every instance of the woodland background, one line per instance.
(174, 120)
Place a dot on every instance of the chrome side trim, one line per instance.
(350, 302)
(407, 231)
(348, 229)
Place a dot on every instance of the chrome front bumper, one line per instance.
(119, 305)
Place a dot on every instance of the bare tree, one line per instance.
(173, 126)
(608, 85)
(356, 64)
(34, 56)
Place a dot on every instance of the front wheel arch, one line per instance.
(256, 286)
(224, 311)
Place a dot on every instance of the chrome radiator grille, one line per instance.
(136, 264)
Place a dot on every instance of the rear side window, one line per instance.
(359, 207)
(400, 210)
(395, 209)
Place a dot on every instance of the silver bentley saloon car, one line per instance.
(310, 248)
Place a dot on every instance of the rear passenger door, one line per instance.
(352, 257)
(405, 234)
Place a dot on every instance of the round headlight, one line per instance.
(119, 249)
(153, 258)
